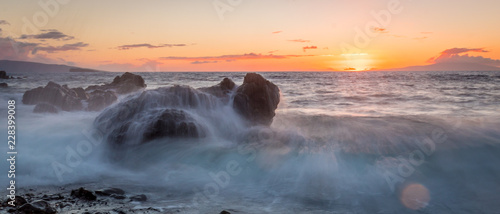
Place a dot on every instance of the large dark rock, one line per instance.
(37, 207)
(3, 75)
(83, 194)
(155, 114)
(101, 99)
(54, 94)
(257, 99)
(127, 83)
(45, 108)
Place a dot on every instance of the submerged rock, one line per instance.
(140, 198)
(110, 191)
(4, 85)
(45, 108)
(257, 99)
(38, 207)
(127, 83)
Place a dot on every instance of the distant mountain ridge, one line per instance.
(33, 67)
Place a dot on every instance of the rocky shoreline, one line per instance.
(97, 198)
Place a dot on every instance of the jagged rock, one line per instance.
(139, 198)
(110, 191)
(4, 85)
(3, 75)
(80, 92)
(257, 99)
(83, 194)
(54, 94)
(101, 99)
(127, 83)
(45, 108)
(37, 207)
(17, 202)
(222, 89)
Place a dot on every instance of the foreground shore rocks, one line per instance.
(53, 97)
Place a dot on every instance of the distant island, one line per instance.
(82, 70)
(34, 67)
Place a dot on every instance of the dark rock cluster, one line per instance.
(168, 112)
(53, 97)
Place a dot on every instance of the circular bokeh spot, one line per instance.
(415, 196)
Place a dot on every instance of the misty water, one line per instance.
(360, 142)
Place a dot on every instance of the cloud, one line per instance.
(145, 45)
(248, 56)
(309, 47)
(299, 40)
(421, 38)
(203, 62)
(3, 22)
(147, 65)
(276, 32)
(66, 47)
(48, 34)
(14, 50)
(462, 50)
(460, 55)
(380, 30)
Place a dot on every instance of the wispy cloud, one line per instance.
(66, 47)
(3, 22)
(299, 40)
(276, 32)
(421, 38)
(146, 45)
(309, 48)
(203, 62)
(229, 58)
(48, 34)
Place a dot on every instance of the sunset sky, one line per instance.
(251, 35)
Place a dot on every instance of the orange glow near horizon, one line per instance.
(284, 36)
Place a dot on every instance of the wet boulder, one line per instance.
(84, 194)
(257, 99)
(3, 75)
(101, 99)
(39, 207)
(45, 108)
(54, 94)
(124, 84)
(171, 123)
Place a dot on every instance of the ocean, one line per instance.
(341, 142)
